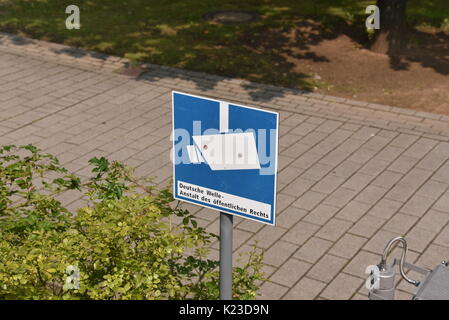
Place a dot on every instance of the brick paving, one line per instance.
(352, 174)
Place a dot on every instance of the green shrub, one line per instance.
(123, 245)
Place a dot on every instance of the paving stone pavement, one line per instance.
(352, 174)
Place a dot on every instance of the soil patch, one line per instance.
(419, 79)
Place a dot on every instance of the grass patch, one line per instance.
(174, 33)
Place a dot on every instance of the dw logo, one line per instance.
(72, 21)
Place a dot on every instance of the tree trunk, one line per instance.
(390, 38)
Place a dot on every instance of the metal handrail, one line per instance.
(388, 247)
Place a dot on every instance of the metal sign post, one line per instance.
(226, 221)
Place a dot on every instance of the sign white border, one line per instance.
(276, 157)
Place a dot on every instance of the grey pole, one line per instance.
(225, 256)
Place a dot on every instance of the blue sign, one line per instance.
(225, 156)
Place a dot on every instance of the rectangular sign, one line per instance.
(225, 156)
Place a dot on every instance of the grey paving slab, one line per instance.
(351, 174)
